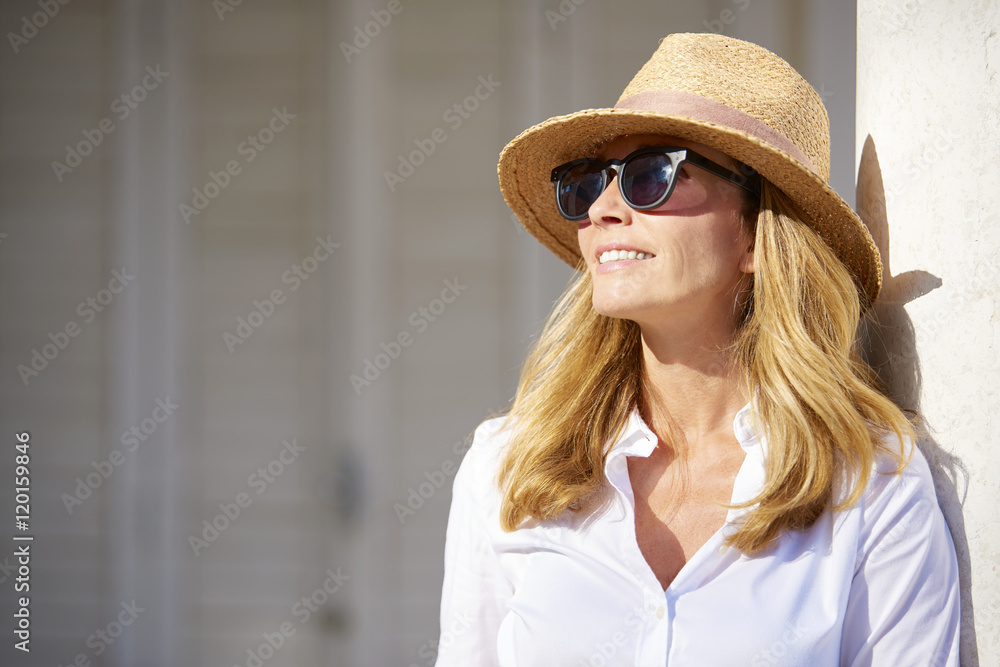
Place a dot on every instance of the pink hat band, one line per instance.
(679, 103)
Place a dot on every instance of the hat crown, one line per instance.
(744, 77)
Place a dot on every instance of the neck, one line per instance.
(692, 390)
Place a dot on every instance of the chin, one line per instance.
(617, 308)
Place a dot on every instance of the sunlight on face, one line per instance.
(687, 258)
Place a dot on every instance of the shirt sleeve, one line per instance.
(904, 605)
(475, 591)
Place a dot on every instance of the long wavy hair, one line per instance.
(818, 402)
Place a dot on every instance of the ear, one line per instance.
(746, 262)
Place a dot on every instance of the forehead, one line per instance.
(621, 146)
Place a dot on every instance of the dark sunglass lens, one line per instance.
(579, 188)
(646, 179)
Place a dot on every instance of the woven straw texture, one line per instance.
(768, 113)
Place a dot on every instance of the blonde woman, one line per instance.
(697, 468)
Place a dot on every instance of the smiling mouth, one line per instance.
(618, 255)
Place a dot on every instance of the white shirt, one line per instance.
(876, 584)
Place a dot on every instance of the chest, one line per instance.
(678, 508)
(579, 597)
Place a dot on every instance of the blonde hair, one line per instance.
(817, 401)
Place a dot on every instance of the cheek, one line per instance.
(583, 239)
(727, 234)
(588, 236)
(712, 252)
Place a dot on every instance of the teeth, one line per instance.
(615, 255)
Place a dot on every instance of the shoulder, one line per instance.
(490, 433)
(489, 441)
(904, 599)
(899, 503)
(476, 475)
(899, 474)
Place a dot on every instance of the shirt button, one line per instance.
(659, 612)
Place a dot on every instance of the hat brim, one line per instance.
(527, 161)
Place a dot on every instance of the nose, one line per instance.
(610, 208)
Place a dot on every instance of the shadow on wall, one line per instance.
(891, 350)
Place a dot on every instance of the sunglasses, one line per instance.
(646, 178)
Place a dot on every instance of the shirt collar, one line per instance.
(745, 431)
(637, 439)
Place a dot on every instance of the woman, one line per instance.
(697, 468)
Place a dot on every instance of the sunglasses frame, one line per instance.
(678, 157)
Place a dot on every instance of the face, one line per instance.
(697, 250)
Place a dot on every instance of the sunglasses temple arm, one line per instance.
(720, 171)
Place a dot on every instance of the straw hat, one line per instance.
(718, 91)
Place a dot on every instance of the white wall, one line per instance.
(927, 141)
